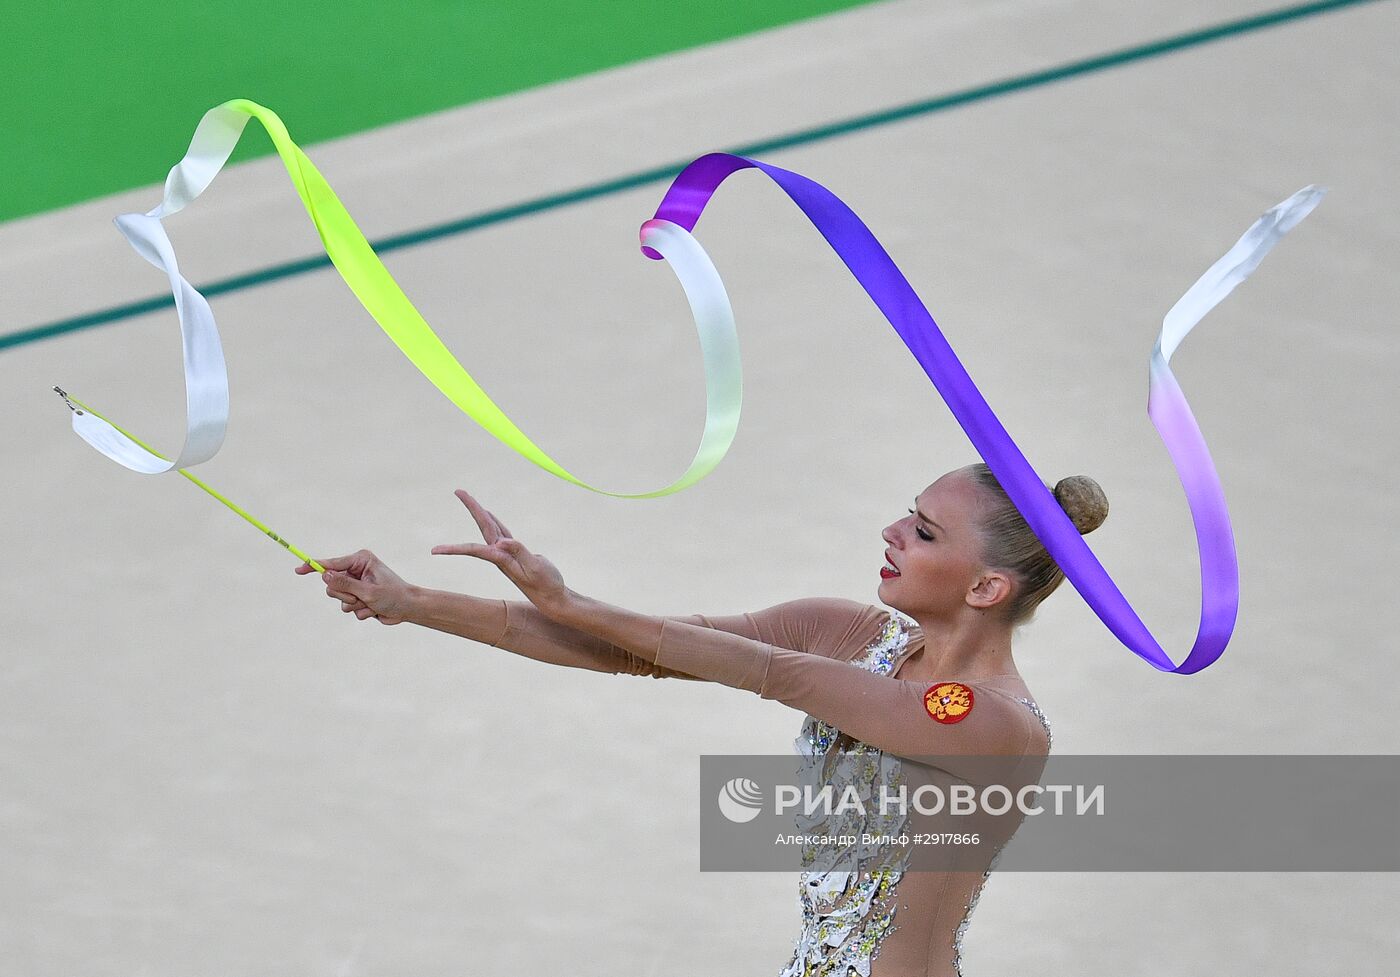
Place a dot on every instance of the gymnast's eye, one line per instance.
(922, 535)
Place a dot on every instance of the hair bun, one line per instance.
(1083, 501)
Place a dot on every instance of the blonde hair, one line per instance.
(1009, 545)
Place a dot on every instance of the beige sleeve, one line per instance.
(887, 713)
(824, 627)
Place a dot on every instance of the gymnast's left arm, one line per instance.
(639, 634)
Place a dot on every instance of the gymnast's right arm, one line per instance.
(366, 587)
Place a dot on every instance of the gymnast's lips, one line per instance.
(888, 571)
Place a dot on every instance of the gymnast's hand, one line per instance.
(537, 578)
(365, 587)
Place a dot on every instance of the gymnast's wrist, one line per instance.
(417, 604)
(441, 610)
(568, 607)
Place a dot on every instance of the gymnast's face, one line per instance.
(936, 553)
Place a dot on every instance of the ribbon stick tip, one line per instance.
(64, 394)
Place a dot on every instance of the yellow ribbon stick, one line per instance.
(81, 409)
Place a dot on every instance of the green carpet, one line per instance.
(104, 96)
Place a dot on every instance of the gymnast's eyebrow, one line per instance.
(927, 519)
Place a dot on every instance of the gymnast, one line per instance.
(933, 678)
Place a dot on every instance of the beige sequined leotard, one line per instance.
(838, 661)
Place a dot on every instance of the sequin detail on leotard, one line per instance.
(846, 915)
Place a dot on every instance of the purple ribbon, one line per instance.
(1167, 407)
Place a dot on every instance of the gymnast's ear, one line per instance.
(993, 589)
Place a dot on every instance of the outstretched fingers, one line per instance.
(484, 522)
(481, 551)
(483, 516)
(506, 554)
